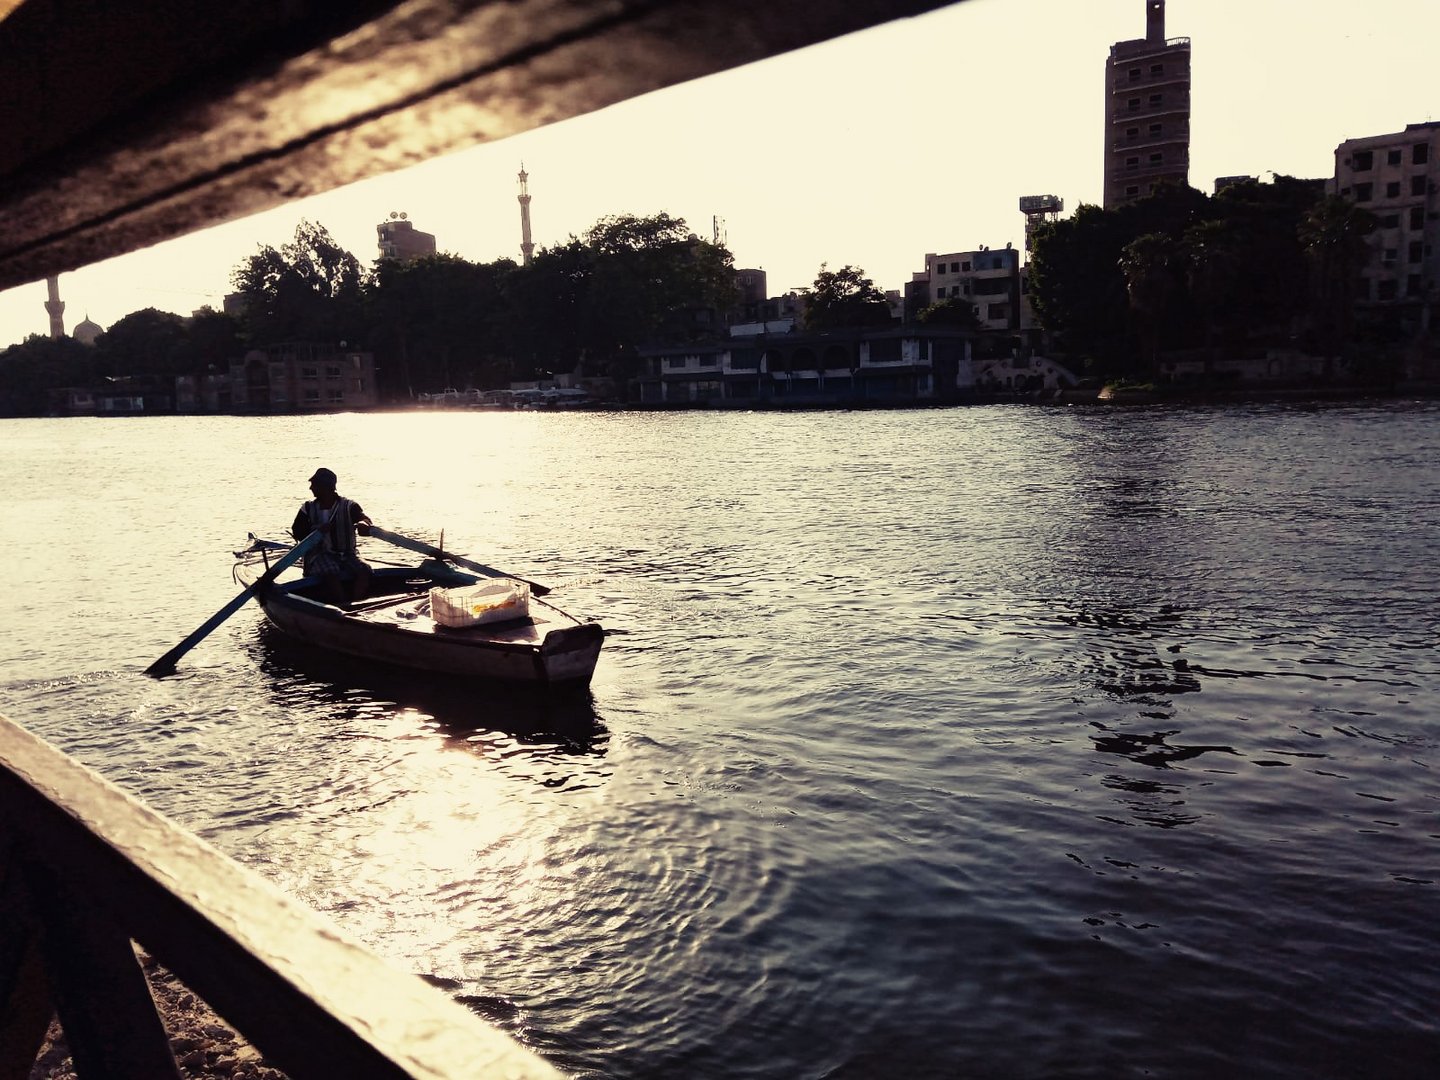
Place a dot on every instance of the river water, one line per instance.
(978, 742)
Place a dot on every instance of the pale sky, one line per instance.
(872, 150)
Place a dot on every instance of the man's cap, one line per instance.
(323, 477)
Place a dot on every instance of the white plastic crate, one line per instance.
(490, 601)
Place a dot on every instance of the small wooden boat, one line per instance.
(395, 625)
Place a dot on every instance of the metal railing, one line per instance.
(87, 873)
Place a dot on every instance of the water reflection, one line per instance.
(556, 739)
(1153, 748)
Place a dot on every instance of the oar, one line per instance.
(436, 553)
(166, 664)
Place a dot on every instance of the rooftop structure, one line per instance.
(399, 239)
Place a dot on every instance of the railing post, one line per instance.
(25, 1005)
(101, 993)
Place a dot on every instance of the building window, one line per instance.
(1157, 69)
(1392, 157)
(1420, 153)
(1387, 257)
(1388, 289)
(1392, 189)
(1417, 251)
(954, 268)
(675, 361)
(332, 371)
(1156, 158)
(940, 293)
(336, 396)
(1390, 221)
(1417, 185)
(1134, 74)
(1132, 163)
(1364, 192)
(1156, 99)
(1156, 129)
(1417, 217)
(309, 373)
(1133, 104)
(1132, 134)
(1412, 285)
(965, 266)
(998, 311)
(1131, 191)
(312, 396)
(1363, 160)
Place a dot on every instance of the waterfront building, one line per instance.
(895, 365)
(289, 377)
(1147, 112)
(399, 239)
(1396, 177)
(988, 279)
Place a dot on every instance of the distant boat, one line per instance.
(532, 643)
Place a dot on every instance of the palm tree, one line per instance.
(1334, 236)
(1213, 266)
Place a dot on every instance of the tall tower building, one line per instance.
(527, 247)
(1147, 111)
(55, 307)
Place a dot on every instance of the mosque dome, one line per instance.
(86, 331)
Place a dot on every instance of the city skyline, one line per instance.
(872, 150)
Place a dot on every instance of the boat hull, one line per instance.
(548, 649)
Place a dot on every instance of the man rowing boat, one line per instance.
(337, 519)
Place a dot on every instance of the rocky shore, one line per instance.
(204, 1046)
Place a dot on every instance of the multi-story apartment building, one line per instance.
(988, 279)
(291, 377)
(1397, 177)
(399, 239)
(1147, 112)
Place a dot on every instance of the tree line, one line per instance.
(432, 322)
(1254, 265)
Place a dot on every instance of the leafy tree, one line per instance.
(213, 339)
(955, 311)
(146, 342)
(1076, 287)
(310, 289)
(1149, 264)
(33, 369)
(653, 281)
(440, 321)
(845, 297)
(548, 301)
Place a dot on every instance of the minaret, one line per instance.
(527, 248)
(55, 307)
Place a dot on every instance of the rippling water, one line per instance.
(971, 742)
